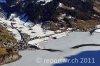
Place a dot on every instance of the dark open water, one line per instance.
(87, 58)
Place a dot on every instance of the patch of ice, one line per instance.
(36, 41)
(97, 30)
(59, 35)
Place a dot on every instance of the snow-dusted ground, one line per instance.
(28, 28)
(38, 57)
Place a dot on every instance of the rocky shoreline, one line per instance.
(8, 55)
(13, 59)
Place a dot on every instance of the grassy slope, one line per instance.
(5, 37)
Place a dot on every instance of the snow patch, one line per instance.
(97, 30)
(14, 25)
(46, 1)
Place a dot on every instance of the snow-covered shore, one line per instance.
(36, 58)
(33, 31)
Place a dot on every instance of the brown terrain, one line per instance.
(82, 24)
(8, 53)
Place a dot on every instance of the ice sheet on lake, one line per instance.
(64, 44)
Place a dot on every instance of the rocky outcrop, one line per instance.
(97, 6)
(42, 12)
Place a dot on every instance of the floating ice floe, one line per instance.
(36, 41)
(59, 35)
(97, 30)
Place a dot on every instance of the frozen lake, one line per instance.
(40, 57)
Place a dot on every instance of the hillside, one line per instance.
(59, 13)
(7, 51)
(5, 36)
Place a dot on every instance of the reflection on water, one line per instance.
(88, 58)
